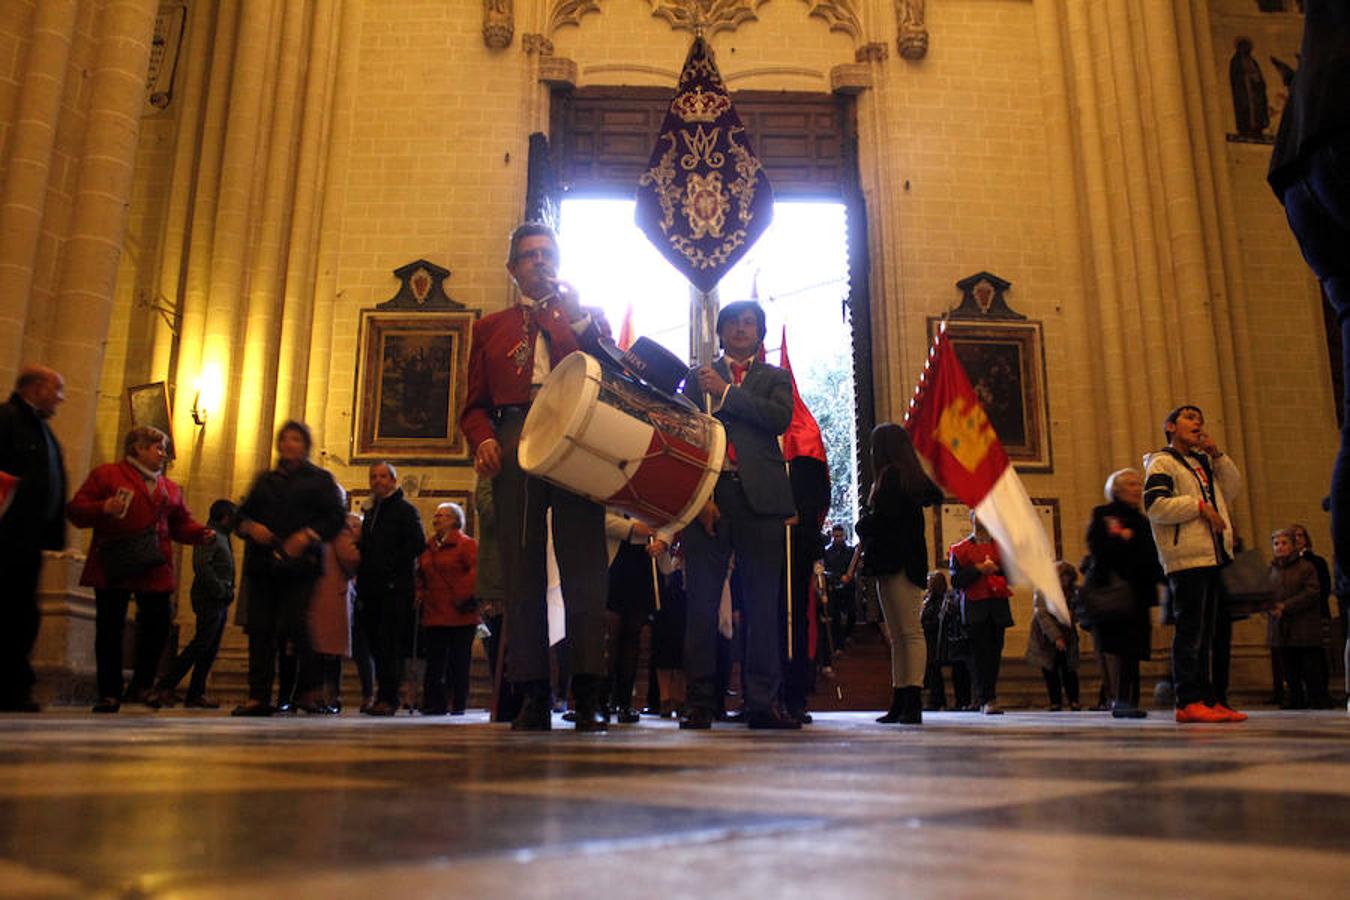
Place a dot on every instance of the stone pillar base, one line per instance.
(64, 655)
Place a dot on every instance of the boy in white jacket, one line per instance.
(1186, 489)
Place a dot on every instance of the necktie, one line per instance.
(737, 376)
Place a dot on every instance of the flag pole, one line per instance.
(656, 584)
(787, 533)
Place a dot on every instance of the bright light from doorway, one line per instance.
(798, 269)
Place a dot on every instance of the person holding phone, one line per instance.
(136, 513)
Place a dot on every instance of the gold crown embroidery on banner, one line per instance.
(697, 106)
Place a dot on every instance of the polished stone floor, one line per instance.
(1030, 804)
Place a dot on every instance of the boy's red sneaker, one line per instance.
(1199, 712)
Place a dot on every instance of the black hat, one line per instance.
(650, 363)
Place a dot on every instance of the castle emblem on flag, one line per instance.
(964, 428)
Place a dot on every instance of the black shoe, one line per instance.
(1128, 712)
(252, 709)
(696, 719)
(200, 701)
(382, 709)
(285, 709)
(536, 712)
(626, 715)
(911, 706)
(433, 711)
(590, 692)
(145, 696)
(893, 714)
(21, 706)
(107, 705)
(772, 720)
(735, 718)
(801, 716)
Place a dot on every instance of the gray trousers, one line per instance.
(521, 503)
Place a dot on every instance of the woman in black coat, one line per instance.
(895, 552)
(1120, 542)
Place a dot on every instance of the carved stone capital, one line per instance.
(536, 43)
(499, 23)
(874, 52)
(851, 78)
(913, 44)
(558, 71)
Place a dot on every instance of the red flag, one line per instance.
(626, 328)
(949, 428)
(951, 431)
(803, 437)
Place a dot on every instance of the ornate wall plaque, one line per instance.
(499, 23)
(706, 17)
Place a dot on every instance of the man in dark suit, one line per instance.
(1310, 173)
(391, 541)
(35, 522)
(511, 354)
(750, 505)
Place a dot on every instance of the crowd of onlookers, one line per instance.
(321, 584)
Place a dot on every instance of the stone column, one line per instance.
(23, 194)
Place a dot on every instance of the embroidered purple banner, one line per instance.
(705, 198)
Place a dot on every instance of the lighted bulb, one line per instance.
(209, 388)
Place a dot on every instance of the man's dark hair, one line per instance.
(529, 229)
(299, 428)
(222, 510)
(1172, 419)
(736, 310)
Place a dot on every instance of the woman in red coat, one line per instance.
(136, 514)
(446, 574)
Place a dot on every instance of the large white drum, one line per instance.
(612, 439)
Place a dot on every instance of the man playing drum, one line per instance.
(511, 353)
(746, 516)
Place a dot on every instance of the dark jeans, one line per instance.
(1061, 674)
(986, 655)
(19, 621)
(449, 651)
(1122, 675)
(152, 629)
(200, 653)
(1195, 602)
(277, 614)
(387, 621)
(1305, 669)
(1317, 205)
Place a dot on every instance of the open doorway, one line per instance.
(799, 270)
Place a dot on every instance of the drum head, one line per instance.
(557, 412)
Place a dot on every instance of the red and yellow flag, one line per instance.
(952, 433)
(949, 428)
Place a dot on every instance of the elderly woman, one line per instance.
(330, 619)
(136, 514)
(1120, 543)
(445, 594)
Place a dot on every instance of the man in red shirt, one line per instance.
(977, 572)
(511, 354)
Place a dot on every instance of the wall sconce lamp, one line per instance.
(208, 395)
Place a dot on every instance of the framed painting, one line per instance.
(952, 523)
(149, 405)
(1005, 362)
(410, 386)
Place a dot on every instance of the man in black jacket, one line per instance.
(35, 522)
(391, 541)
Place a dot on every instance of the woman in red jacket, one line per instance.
(446, 574)
(136, 514)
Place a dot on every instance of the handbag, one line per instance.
(1108, 601)
(1246, 583)
(126, 557)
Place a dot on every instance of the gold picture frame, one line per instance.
(148, 404)
(1005, 362)
(410, 387)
